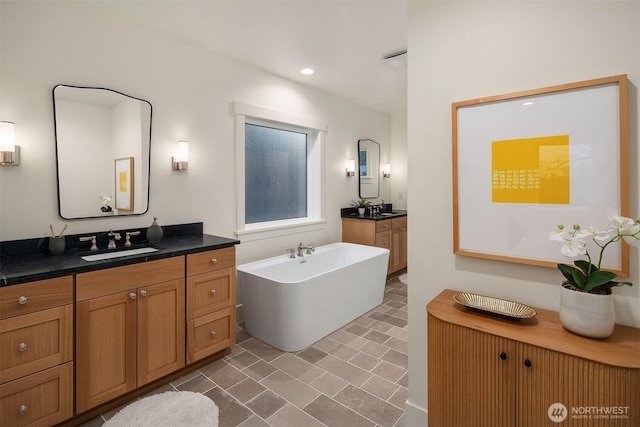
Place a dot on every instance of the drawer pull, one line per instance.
(22, 347)
(23, 409)
(132, 295)
(214, 261)
(22, 300)
(213, 334)
(143, 293)
(213, 292)
(527, 363)
(503, 356)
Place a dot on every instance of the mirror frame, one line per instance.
(55, 127)
(377, 174)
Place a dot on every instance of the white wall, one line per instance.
(468, 50)
(191, 90)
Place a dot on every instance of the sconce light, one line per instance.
(181, 159)
(351, 167)
(386, 172)
(10, 152)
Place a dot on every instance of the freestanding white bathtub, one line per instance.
(292, 303)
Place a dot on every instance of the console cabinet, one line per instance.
(130, 328)
(488, 371)
(36, 352)
(387, 233)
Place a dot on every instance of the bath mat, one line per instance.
(404, 279)
(171, 408)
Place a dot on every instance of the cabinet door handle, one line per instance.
(22, 300)
(23, 409)
(213, 334)
(143, 293)
(503, 356)
(22, 347)
(132, 295)
(214, 261)
(213, 292)
(527, 363)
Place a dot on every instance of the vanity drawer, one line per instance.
(34, 296)
(35, 341)
(400, 222)
(118, 279)
(209, 292)
(209, 334)
(382, 226)
(203, 262)
(41, 399)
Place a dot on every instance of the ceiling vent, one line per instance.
(396, 59)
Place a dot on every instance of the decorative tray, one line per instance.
(498, 306)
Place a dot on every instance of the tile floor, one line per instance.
(356, 376)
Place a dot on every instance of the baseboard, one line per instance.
(414, 415)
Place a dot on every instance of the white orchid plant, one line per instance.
(587, 276)
(106, 207)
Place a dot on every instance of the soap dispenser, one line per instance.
(154, 232)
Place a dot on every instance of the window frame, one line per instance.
(315, 130)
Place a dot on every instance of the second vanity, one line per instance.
(385, 230)
(79, 337)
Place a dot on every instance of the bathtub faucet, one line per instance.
(308, 248)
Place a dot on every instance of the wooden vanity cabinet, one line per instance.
(211, 298)
(36, 352)
(489, 371)
(387, 233)
(130, 328)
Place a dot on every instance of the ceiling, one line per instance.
(344, 41)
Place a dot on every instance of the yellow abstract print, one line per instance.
(531, 170)
(123, 181)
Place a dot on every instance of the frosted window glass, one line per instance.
(275, 174)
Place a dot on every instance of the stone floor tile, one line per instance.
(363, 321)
(404, 380)
(266, 404)
(344, 352)
(396, 304)
(398, 345)
(244, 359)
(242, 336)
(246, 390)
(357, 330)
(94, 422)
(292, 389)
(223, 374)
(377, 337)
(290, 416)
(311, 355)
(347, 339)
(254, 421)
(261, 349)
(260, 370)
(374, 349)
(401, 323)
(396, 358)
(326, 344)
(197, 384)
(364, 361)
(329, 384)
(400, 333)
(380, 387)
(388, 371)
(399, 398)
(347, 371)
(380, 326)
(185, 378)
(231, 412)
(333, 414)
(297, 368)
(368, 405)
(399, 313)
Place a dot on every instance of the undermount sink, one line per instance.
(387, 214)
(110, 255)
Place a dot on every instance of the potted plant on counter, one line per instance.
(586, 303)
(361, 204)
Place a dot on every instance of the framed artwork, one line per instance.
(124, 184)
(526, 162)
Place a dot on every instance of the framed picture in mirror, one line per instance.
(124, 184)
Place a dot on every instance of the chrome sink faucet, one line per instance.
(112, 239)
(308, 248)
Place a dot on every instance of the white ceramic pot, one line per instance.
(589, 315)
(361, 211)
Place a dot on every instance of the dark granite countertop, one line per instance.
(347, 213)
(18, 268)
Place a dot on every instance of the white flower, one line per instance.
(105, 199)
(627, 228)
(574, 247)
(593, 233)
(560, 235)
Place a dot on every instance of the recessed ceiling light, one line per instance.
(307, 71)
(527, 103)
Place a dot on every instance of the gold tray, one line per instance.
(498, 306)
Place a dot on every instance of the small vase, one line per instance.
(361, 211)
(56, 245)
(588, 315)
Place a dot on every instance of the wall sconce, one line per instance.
(351, 167)
(386, 172)
(9, 151)
(181, 160)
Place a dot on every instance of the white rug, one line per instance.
(171, 408)
(404, 279)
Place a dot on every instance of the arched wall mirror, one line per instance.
(368, 169)
(103, 148)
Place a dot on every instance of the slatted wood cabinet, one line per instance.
(489, 371)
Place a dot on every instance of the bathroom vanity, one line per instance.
(140, 320)
(384, 230)
(495, 371)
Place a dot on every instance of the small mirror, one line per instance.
(103, 141)
(369, 168)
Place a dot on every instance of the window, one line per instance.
(279, 172)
